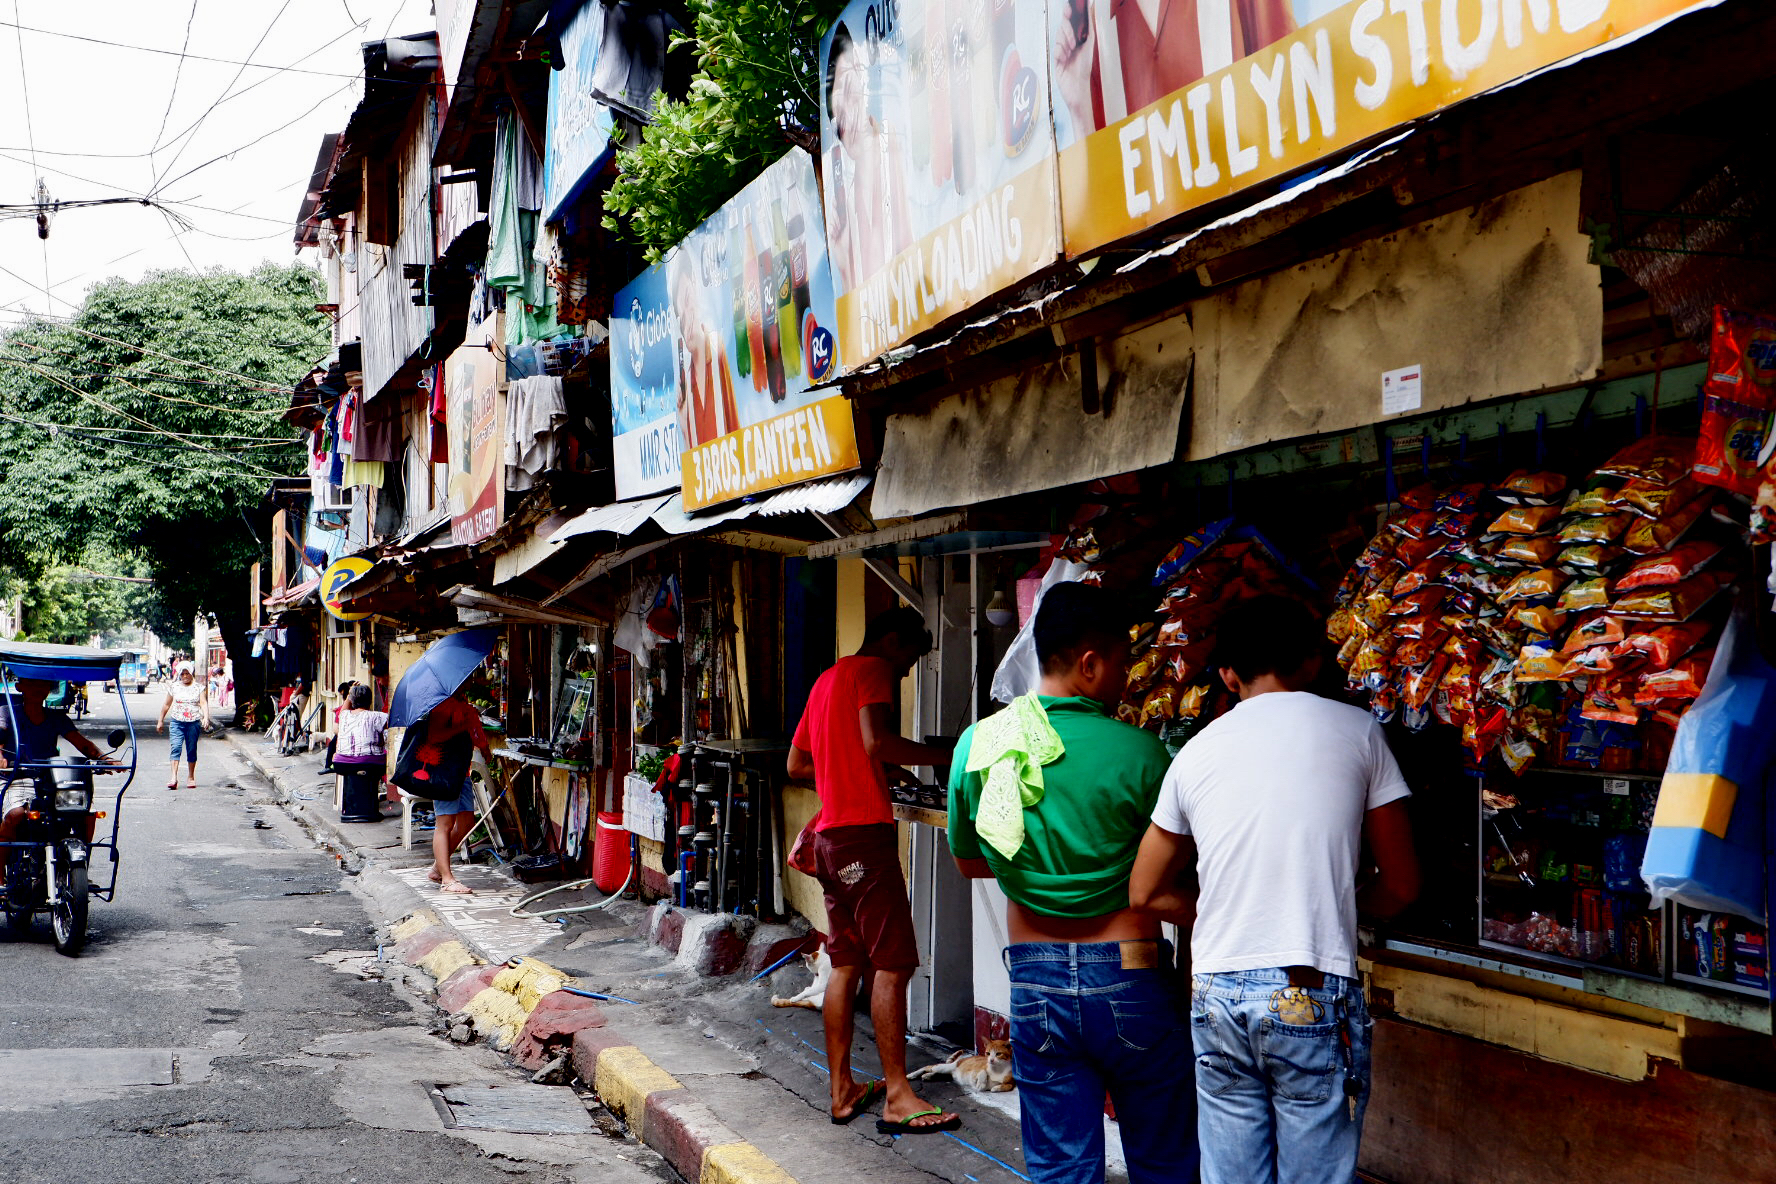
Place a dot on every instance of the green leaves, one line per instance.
(758, 67)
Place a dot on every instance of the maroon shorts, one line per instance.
(868, 918)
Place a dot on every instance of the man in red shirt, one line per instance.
(846, 740)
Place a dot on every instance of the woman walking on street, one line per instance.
(361, 757)
(187, 705)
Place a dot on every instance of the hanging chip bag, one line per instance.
(1677, 565)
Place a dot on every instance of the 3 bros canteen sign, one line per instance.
(716, 352)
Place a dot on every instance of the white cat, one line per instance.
(814, 997)
(983, 1074)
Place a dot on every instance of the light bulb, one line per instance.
(999, 610)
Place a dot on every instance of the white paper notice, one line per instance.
(1402, 390)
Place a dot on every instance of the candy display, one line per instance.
(1737, 400)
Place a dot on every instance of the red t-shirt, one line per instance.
(853, 788)
(453, 717)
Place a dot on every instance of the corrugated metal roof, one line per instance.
(616, 518)
(814, 497)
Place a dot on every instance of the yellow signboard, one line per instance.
(333, 584)
(1250, 99)
(818, 440)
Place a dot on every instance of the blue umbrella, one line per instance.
(445, 666)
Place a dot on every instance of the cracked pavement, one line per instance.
(220, 1026)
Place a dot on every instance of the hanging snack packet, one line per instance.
(1339, 626)
(1611, 700)
(1603, 528)
(1662, 648)
(1653, 535)
(1524, 488)
(1536, 618)
(1589, 560)
(1682, 681)
(1530, 520)
(1582, 595)
(1660, 571)
(1543, 584)
(1420, 497)
(1597, 629)
(1191, 548)
(1678, 602)
(1727, 447)
(1462, 498)
(1416, 526)
(1537, 552)
(1347, 652)
(1650, 500)
(1413, 552)
(1425, 600)
(1144, 671)
(1659, 460)
(1593, 500)
(1430, 573)
(1540, 661)
(1161, 703)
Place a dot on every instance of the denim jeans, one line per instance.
(1271, 1066)
(183, 733)
(1083, 1025)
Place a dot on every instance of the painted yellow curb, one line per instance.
(498, 1014)
(741, 1163)
(530, 980)
(624, 1078)
(445, 959)
(412, 923)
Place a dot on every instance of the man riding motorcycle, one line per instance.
(41, 728)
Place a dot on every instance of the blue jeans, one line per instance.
(1082, 1025)
(1271, 1066)
(462, 803)
(182, 733)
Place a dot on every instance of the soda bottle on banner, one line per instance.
(798, 267)
(788, 327)
(755, 324)
(963, 97)
(766, 269)
(737, 286)
(937, 66)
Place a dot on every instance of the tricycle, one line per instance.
(48, 827)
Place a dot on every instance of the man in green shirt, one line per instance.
(1051, 797)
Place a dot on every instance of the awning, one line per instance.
(293, 595)
(616, 518)
(828, 496)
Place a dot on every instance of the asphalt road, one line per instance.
(217, 1028)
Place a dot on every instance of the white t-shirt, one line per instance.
(1274, 793)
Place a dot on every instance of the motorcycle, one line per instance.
(48, 862)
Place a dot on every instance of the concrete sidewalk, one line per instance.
(701, 1068)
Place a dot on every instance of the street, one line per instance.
(214, 1031)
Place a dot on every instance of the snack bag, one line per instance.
(1677, 565)
(1595, 499)
(1530, 520)
(1537, 618)
(1532, 551)
(1661, 648)
(1425, 600)
(1583, 595)
(1144, 671)
(1737, 400)
(1462, 498)
(1683, 681)
(1658, 460)
(1650, 536)
(1589, 560)
(1161, 703)
(1601, 629)
(1678, 602)
(1413, 552)
(1523, 487)
(1420, 497)
(1650, 500)
(1604, 528)
(1431, 572)
(1540, 661)
(1192, 547)
(1339, 626)
(1585, 663)
(1542, 584)
(1416, 526)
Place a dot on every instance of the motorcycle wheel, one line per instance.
(68, 917)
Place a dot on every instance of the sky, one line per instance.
(228, 148)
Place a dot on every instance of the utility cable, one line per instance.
(184, 56)
(178, 72)
(188, 137)
(155, 374)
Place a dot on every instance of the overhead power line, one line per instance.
(192, 134)
(184, 56)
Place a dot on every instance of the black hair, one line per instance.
(345, 687)
(904, 623)
(841, 43)
(1267, 635)
(358, 697)
(1075, 617)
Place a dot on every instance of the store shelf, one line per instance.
(924, 817)
(1479, 962)
(525, 758)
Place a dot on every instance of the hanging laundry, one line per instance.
(536, 411)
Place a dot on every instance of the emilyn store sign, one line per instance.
(718, 352)
(1165, 105)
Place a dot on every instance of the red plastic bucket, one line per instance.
(610, 852)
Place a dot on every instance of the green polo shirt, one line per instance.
(1080, 839)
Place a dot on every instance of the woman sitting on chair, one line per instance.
(361, 757)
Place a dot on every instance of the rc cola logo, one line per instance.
(1018, 101)
(820, 352)
(637, 337)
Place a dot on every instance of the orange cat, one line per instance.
(988, 1074)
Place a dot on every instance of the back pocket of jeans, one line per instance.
(1302, 1060)
(1144, 1024)
(1031, 1037)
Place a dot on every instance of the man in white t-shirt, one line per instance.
(1283, 806)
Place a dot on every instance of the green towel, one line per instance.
(1012, 746)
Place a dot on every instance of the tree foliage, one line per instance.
(142, 433)
(756, 91)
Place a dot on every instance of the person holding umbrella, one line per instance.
(429, 697)
(455, 716)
